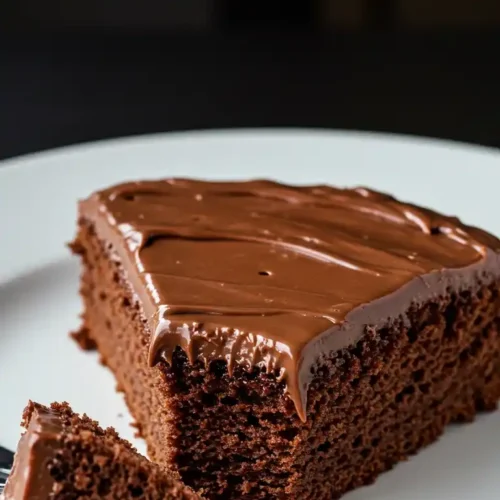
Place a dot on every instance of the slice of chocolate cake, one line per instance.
(287, 342)
(62, 456)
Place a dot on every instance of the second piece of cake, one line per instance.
(64, 456)
(279, 341)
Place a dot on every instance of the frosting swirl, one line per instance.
(263, 274)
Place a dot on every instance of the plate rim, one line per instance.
(247, 133)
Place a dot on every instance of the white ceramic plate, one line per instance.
(39, 302)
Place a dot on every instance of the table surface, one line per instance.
(69, 89)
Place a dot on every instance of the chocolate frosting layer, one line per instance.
(263, 274)
(30, 478)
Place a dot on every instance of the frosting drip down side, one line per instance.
(256, 273)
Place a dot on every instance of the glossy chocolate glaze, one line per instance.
(30, 478)
(263, 274)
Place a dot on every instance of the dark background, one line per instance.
(79, 71)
